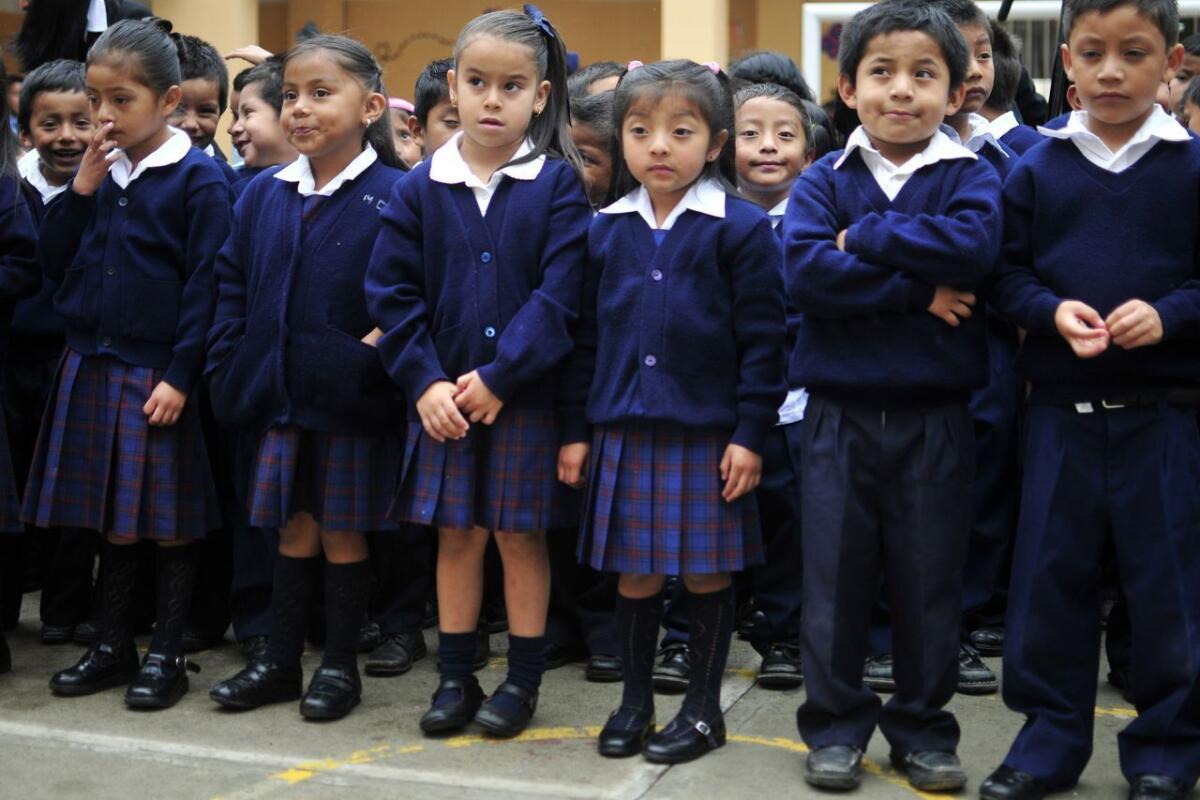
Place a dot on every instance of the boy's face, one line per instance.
(199, 111)
(771, 150)
(981, 71)
(59, 129)
(1184, 75)
(407, 146)
(440, 126)
(235, 97)
(901, 92)
(1191, 117)
(257, 134)
(597, 162)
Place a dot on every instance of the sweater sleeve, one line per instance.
(62, 230)
(1016, 290)
(581, 364)
(1179, 309)
(229, 318)
(539, 335)
(19, 273)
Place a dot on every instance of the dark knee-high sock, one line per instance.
(710, 629)
(638, 622)
(175, 578)
(294, 582)
(120, 571)
(346, 595)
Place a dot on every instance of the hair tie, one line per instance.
(713, 67)
(401, 104)
(634, 65)
(539, 19)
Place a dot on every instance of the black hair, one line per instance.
(595, 112)
(1192, 95)
(59, 75)
(431, 88)
(710, 93)
(149, 43)
(964, 12)
(768, 66)
(825, 137)
(550, 131)
(199, 60)
(1191, 44)
(893, 16)
(578, 84)
(16, 77)
(1163, 13)
(773, 91)
(51, 31)
(10, 148)
(1006, 62)
(268, 76)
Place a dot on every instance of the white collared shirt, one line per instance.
(891, 178)
(1159, 126)
(210, 151)
(171, 151)
(776, 213)
(446, 165)
(300, 173)
(97, 17)
(1001, 125)
(981, 135)
(703, 197)
(30, 168)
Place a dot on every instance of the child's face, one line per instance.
(901, 92)
(981, 71)
(257, 135)
(407, 146)
(597, 162)
(137, 114)
(60, 128)
(1183, 76)
(235, 97)
(440, 126)
(1191, 117)
(199, 111)
(771, 150)
(497, 91)
(666, 143)
(326, 110)
(14, 97)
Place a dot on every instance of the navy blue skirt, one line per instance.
(654, 504)
(345, 481)
(502, 477)
(99, 464)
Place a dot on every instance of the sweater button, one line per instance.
(106, 342)
(124, 201)
(485, 257)
(489, 332)
(656, 274)
(110, 271)
(650, 360)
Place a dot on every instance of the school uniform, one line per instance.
(243, 176)
(1110, 446)
(1012, 134)
(887, 447)
(214, 152)
(473, 276)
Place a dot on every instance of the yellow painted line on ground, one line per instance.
(1119, 713)
(310, 769)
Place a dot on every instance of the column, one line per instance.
(695, 29)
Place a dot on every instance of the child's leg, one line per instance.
(639, 615)
(711, 610)
(175, 577)
(460, 593)
(347, 583)
(296, 570)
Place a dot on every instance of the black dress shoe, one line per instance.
(259, 684)
(988, 640)
(58, 634)
(684, 739)
(369, 636)
(837, 767)
(974, 677)
(754, 626)
(87, 632)
(931, 771)
(454, 705)
(877, 673)
(1007, 783)
(196, 640)
(625, 733)
(429, 618)
(1157, 787)
(100, 668)
(558, 655)
(332, 693)
(781, 667)
(396, 654)
(1118, 678)
(673, 672)
(5, 656)
(254, 649)
(501, 719)
(161, 683)
(603, 669)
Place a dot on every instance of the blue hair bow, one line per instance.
(535, 14)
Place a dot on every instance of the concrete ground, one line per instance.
(94, 747)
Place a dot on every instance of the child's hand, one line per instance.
(572, 464)
(251, 54)
(372, 338)
(165, 405)
(1135, 324)
(476, 399)
(741, 469)
(98, 157)
(951, 305)
(1082, 327)
(439, 414)
(841, 241)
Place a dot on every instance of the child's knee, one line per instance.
(457, 544)
(344, 548)
(521, 545)
(639, 587)
(704, 584)
(301, 537)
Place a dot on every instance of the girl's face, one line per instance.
(326, 110)
(771, 150)
(407, 146)
(597, 162)
(666, 143)
(497, 91)
(137, 113)
(257, 134)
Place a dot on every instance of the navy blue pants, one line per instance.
(1130, 475)
(884, 493)
(582, 613)
(776, 585)
(402, 563)
(254, 550)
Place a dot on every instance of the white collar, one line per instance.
(940, 148)
(447, 165)
(97, 17)
(703, 197)
(30, 168)
(210, 151)
(172, 151)
(780, 208)
(1003, 124)
(1159, 125)
(300, 173)
(981, 135)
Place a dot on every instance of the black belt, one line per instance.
(1176, 398)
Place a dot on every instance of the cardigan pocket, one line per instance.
(75, 302)
(451, 350)
(236, 393)
(151, 310)
(346, 375)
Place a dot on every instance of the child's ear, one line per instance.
(170, 100)
(376, 107)
(450, 83)
(717, 145)
(847, 92)
(957, 98)
(26, 139)
(1174, 62)
(543, 96)
(1066, 59)
(418, 133)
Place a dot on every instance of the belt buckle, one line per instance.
(1108, 406)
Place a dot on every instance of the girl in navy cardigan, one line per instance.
(121, 452)
(680, 357)
(292, 353)
(475, 281)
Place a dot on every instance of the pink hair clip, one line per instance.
(403, 105)
(634, 65)
(713, 67)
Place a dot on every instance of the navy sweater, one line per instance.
(1021, 138)
(243, 177)
(19, 273)
(37, 329)
(690, 331)
(1076, 231)
(285, 346)
(865, 334)
(136, 265)
(455, 291)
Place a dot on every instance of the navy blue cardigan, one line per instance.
(456, 291)
(1021, 138)
(690, 331)
(285, 346)
(136, 265)
(865, 334)
(20, 276)
(37, 329)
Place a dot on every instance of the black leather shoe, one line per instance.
(625, 733)
(1007, 783)
(259, 684)
(499, 720)
(454, 705)
(673, 672)
(195, 640)
(332, 693)
(494, 620)
(1157, 787)
(877, 673)
(100, 668)
(603, 669)
(1118, 678)
(974, 677)
(369, 637)
(58, 634)
(396, 654)
(754, 626)
(684, 739)
(161, 683)
(87, 632)
(429, 617)
(988, 640)
(931, 771)
(559, 655)
(5, 656)
(837, 767)
(781, 667)
(254, 649)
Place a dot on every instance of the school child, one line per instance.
(479, 348)
(1111, 440)
(434, 120)
(205, 96)
(1000, 105)
(1190, 116)
(290, 293)
(407, 146)
(256, 132)
(594, 79)
(885, 244)
(684, 388)
(769, 66)
(592, 133)
(121, 452)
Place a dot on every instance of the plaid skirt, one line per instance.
(502, 477)
(654, 504)
(10, 507)
(98, 463)
(345, 481)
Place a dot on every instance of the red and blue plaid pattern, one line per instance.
(346, 481)
(10, 508)
(99, 464)
(654, 504)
